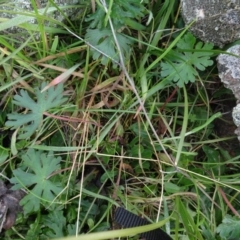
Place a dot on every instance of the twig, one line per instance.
(234, 211)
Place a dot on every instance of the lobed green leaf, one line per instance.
(180, 65)
(103, 41)
(29, 122)
(41, 166)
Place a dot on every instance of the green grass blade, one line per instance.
(187, 220)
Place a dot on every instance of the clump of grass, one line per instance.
(127, 134)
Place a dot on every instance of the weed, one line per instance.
(117, 109)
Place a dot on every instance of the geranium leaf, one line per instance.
(41, 165)
(56, 222)
(121, 11)
(32, 120)
(229, 228)
(182, 64)
(103, 41)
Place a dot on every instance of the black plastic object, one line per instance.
(127, 220)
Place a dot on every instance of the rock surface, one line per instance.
(217, 21)
(229, 73)
(9, 205)
(19, 10)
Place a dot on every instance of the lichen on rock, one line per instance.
(216, 21)
(229, 73)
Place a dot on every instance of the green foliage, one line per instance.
(40, 167)
(229, 228)
(34, 229)
(103, 41)
(187, 220)
(113, 152)
(182, 63)
(172, 188)
(29, 122)
(56, 222)
(3, 154)
(123, 13)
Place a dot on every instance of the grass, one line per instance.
(126, 135)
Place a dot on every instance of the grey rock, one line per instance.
(21, 11)
(9, 205)
(229, 73)
(237, 132)
(217, 21)
(236, 115)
